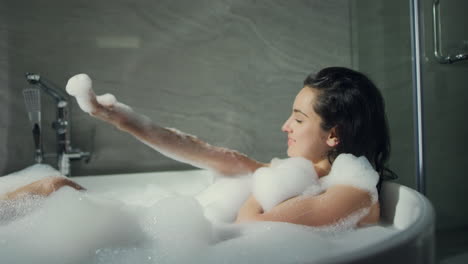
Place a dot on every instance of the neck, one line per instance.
(322, 167)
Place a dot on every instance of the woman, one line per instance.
(337, 111)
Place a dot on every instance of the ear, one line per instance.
(332, 139)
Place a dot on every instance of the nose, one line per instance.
(286, 128)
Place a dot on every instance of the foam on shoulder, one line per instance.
(348, 169)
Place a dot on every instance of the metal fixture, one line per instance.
(32, 100)
(61, 125)
(417, 95)
(444, 59)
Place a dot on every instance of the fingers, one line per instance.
(75, 185)
(60, 182)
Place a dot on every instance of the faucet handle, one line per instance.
(78, 154)
(60, 126)
(65, 158)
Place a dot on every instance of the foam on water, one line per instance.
(157, 225)
(25, 176)
(68, 223)
(224, 197)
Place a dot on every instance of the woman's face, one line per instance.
(305, 136)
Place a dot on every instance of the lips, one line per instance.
(291, 141)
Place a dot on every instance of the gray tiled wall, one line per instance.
(226, 71)
(4, 98)
(381, 48)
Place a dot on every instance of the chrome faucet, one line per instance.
(61, 125)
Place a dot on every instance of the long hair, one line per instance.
(350, 102)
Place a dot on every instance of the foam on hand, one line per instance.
(80, 86)
(355, 171)
(284, 179)
(106, 99)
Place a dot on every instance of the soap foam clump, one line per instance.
(222, 199)
(284, 179)
(354, 171)
(80, 86)
(106, 99)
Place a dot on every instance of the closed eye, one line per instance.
(298, 121)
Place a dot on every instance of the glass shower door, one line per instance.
(381, 48)
(444, 38)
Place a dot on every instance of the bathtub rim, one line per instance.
(425, 222)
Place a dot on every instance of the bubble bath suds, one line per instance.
(154, 224)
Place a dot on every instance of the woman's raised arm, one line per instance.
(170, 142)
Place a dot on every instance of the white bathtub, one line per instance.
(403, 209)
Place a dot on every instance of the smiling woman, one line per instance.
(306, 138)
(338, 111)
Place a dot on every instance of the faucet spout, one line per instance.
(47, 86)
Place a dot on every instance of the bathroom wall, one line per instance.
(226, 71)
(381, 48)
(4, 98)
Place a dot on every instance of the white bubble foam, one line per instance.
(224, 197)
(80, 86)
(106, 99)
(284, 179)
(354, 171)
(153, 224)
(68, 223)
(33, 173)
(178, 227)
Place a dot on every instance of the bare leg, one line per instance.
(42, 187)
(170, 142)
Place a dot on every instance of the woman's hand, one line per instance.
(103, 106)
(43, 187)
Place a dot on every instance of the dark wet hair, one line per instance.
(351, 102)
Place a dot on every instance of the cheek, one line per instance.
(306, 140)
(312, 140)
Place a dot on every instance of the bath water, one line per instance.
(157, 224)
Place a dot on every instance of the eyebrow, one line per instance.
(299, 111)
